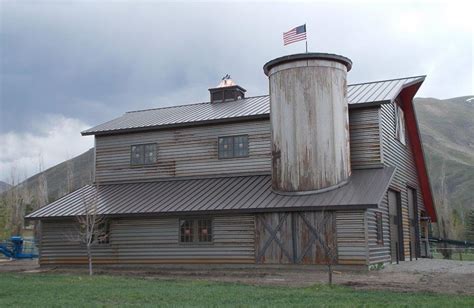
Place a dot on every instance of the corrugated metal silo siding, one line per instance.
(352, 237)
(365, 137)
(400, 156)
(153, 240)
(188, 151)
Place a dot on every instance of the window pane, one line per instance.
(150, 153)
(186, 231)
(226, 147)
(379, 230)
(137, 155)
(241, 146)
(205, 230)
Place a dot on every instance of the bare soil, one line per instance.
(424, 275)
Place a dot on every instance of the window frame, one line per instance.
(400, 124)
(195, 237)
(379, 228)
(219, 156)
(144, 145)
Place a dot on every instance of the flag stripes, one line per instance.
(294, 35)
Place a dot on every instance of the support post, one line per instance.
(397, 253)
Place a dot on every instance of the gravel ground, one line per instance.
(424, 275)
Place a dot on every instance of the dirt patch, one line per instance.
(438, 276)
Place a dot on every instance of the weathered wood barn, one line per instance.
(243, 180)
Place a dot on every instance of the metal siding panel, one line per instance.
(400, 156)
(153, 241)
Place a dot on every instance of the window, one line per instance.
(103, 234)
(234, 146)
(400, 124)
(197, 230)
(143, 154)
(379, 228)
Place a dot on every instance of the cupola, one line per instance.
(227, 90)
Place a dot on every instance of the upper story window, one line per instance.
(197, 230)
(234, 146)
(400, 124)
(143, 154)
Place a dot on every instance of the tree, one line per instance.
(470, 226)
(16, 200)
(41, 194)
(445, 221)
(91, 225)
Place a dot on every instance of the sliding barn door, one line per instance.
(295, 237)
(395, 214)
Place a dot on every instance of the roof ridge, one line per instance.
(191, 104)
(361, 83)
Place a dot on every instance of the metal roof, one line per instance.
(248, 108)
(366, 188)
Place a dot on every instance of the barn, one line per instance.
(317, 171)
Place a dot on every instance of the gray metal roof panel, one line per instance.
(238, 193)
(365, 93)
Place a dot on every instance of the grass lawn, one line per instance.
(37, 290)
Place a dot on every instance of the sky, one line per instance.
(66, 66)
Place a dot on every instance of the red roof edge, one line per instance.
(406, 96)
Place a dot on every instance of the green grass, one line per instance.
(466, 256)
(54, 290)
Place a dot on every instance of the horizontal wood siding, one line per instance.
(188, 151)
(152, 240)
(351, 237)
(365, 138)
(193, 151)
(400, 156)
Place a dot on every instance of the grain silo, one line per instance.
(309, 119)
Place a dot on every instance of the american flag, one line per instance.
(294, 35)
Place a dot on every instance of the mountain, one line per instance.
(4, 186)
(447, 132)
(80, 167)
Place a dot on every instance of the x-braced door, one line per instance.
(296, 238)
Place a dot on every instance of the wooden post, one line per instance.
(411, 258)
(397, 253)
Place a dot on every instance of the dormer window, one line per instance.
(143, 154)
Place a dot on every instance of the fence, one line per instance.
(451, 249)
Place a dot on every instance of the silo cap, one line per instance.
(307, 56)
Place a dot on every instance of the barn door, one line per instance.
(295, 237)
(395, 214)
(413, 220)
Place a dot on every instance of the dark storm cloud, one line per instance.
(87, 62)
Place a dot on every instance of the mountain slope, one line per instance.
(447, 132)
(4, 186)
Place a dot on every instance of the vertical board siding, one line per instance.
(364, 126)
(351, 237)
(295, 243)
(190, 151)
(152, 240)
(400, 156)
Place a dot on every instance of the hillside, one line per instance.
(4, 186)
(56, 176)
(447, 131)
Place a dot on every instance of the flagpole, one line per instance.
(306, 37)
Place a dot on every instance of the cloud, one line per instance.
(55, 139)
